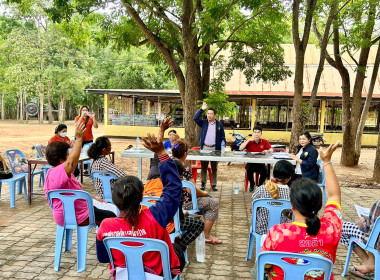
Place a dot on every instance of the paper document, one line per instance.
(206, 151)
(122, 274)
(239, 153)
(280, 155)
(362, 211)
(106, 206)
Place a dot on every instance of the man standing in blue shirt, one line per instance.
(212, 135)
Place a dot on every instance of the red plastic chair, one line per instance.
(196, 166)
(246, 181)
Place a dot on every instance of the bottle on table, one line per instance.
(137, 143)
(223, 150)
(200, 247)
(236, 188)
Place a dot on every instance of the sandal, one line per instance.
(213, 240)
(368, 276)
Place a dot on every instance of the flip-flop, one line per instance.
(213, 240)
(368, 276)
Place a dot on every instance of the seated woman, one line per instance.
(308, 233)
(206, 203)
(98, 152)
(61, 177)
(362, 230)
(61, 135)
(276, 188)
(306, 159)
(150, 222)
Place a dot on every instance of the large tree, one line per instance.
(353, 31)
(300, 12)
(191, 36)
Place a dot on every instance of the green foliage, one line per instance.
(217, 99)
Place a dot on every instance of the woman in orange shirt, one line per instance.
(89, 120)
(61, 135)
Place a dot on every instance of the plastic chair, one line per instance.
(40, 154)
(147, 201)
(322, 180)
(369, 246)
(12, 182)
(197, 165)
(187, 184)
(274, 218)
(67, 198)
(87, 162)
(105, 178)
(294, 271)
(134, 254)
(11, 155)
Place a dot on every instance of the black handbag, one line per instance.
(4, 174)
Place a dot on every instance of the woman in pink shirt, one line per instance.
(61, 177)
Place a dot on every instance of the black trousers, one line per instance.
(100, 215)
(256, 167)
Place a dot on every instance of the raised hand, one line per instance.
(79, 130)
(154, 144)
(165, 124)
(204, 106)
(326, 154)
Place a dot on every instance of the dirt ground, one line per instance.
(23, 136)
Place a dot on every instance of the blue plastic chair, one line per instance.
(70, 223)
(369, 246)
(134, 254)
(12, 182)
(322, 181)
(87, 162)
(187, 184)
(294, 271)
(274, 218)
(105, 178)
(38, 148)
(177, 225)
(11, 155)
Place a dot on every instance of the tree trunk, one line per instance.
(42, 90)
(363, 118)
(50, 109)
(300, 46)
(297, 125)
(2, 106)
(62, 109)
(376, 169)
(21, 111)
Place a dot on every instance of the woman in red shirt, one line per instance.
(89, 120)
(61, 135)
(309, 234)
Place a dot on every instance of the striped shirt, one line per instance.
(103, 164)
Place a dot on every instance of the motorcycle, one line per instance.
(318, 139)
(239, 139)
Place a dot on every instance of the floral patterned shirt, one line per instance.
(187, 175)
(293, 238)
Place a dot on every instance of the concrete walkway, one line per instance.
(27, 239)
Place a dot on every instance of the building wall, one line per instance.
(138, 131)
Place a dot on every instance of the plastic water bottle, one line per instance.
(236, 188)
(138, 143)
(223, 147)
(200, 247)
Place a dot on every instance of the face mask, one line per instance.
(63, 134)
